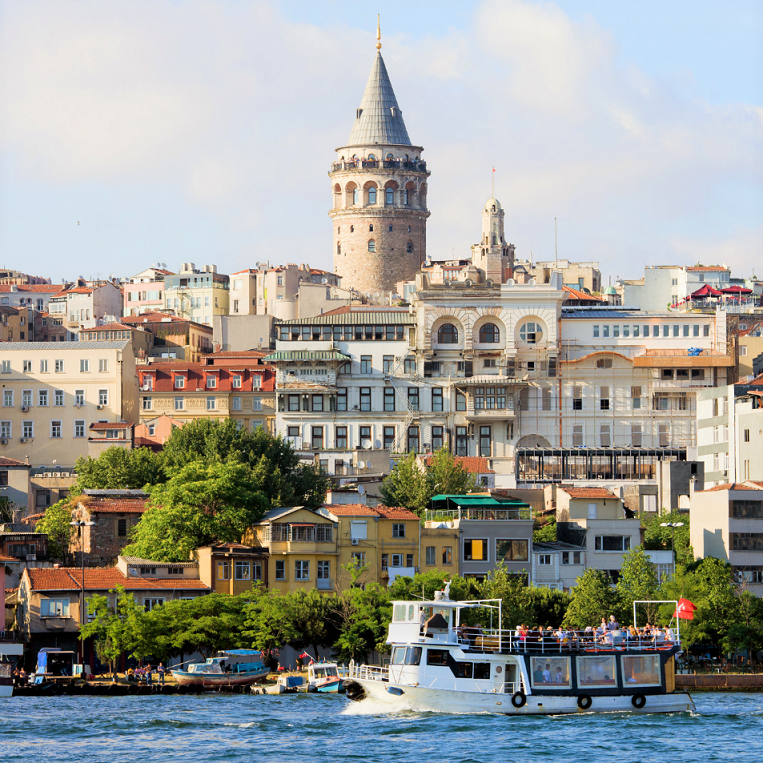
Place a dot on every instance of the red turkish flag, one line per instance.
(684, 610)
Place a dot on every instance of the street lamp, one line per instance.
(672, 526)
(81, 524)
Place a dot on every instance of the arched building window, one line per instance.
(390, 196)
(448, 334)
(405, 196)
(409, 247)
(371, 228)
(371, 245)
(489, 333)
(372, 195)
(338, 248)
(355, 196)
(531, 332)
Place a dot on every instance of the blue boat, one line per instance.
(233, 667)
(324, 677)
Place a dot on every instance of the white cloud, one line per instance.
(234, 112)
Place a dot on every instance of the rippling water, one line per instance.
(309, 727)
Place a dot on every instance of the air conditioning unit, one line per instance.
(354, 541)
(3, 442)
(100, 407)
(31, 557)
(24, 408)
(21, 439)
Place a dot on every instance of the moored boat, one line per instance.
(233, 667)
(439, 664)
(324, 677)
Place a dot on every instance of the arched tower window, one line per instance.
(355, 196)
(448, 334)
(489, 333)
(390, 157)
(406, 196)
(409, 247)
(371, 228)
(390, 196)
(338, 248)
(371, 158)
(371, 245)
(372, 195)
(352, 229)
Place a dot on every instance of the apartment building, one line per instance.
(53, 393)
(730, 432)
(666, 285)
(197, 295)
(232, 568)
(29, 295)
(145, 291)
(82, 306)
(585, 276)
(302, 550)
(727, 523)
(224, 385)
(595, 518)
(490, 531)
(173, 337)
(385, 541)
(142, 341)
(557, 565)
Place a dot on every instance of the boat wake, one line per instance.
(370, 706)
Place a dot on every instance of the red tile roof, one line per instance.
(162, 375)
(114, 505)
(4, 558)
(103, 579)
(589, 492)
(576, 294)
(11, 462)
(350, 510)
(395, 512)
(109, 327)
(34, 287)
(473, 464)
(749, 485)
(110, 425)
(237, 354)
(708, 267)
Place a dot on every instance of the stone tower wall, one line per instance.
(391, 262)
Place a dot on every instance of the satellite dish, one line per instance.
(361, 490)
(361, 464)
(366, 444)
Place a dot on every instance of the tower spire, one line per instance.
(378, 31)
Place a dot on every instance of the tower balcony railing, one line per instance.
(416, 165)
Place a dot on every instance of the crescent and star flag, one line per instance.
(684, 610)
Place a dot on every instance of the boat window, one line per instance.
(550, 672)
(410, 612)
(410, 655)
(462, 669)
(596, 671)
(444, 612)
(643, 670)
(399, 613)
(437, 656)
(481, 670)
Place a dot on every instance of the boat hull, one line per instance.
(418, 698)
(331, 687)
(212, 680)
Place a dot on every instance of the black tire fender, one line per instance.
(584, 701)
(638, 701)
(518, 699)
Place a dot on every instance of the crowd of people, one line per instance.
(608, 633)
(145, 674)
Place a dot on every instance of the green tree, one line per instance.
(637, 582)
(591, 599)
(313, 621)
(658, 538)
(511, 588)
(406, 485)
(549, 607)
(202, 503)
(363, 617)
(544, 530)
(446, 476)
(424, 585)
(56, 525)
(119, 469)
(269, 622)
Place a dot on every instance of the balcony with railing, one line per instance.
(451, 517)
(413, 165)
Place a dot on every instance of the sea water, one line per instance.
(319, 727)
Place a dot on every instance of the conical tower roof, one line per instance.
(379, 119)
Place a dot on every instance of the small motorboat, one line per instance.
(234, 667)
(287, 684)
(324, 677)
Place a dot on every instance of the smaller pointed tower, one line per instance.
(493, 256)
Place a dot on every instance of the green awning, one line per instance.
(306, 355)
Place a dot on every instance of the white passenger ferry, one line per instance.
(438, 664)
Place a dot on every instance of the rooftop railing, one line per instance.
(417, 165)
(475, 514)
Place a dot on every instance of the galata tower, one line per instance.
(379, 185)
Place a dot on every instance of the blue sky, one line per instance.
(203, 131)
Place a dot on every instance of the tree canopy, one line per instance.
(56, 525)
(118, 468)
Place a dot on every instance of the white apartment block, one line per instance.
(81, 307)
(665, 285)
(52, 393)
(730, 432)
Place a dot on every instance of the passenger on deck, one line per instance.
(547, 674)
(613, 625)
(669, 636)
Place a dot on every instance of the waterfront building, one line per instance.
(302, 550)
(232, 568)
(440, 549)
(727, 523)
(197, 295)
(225, 385)
(557, 565)
(379, 188)
(54, 392)
(50, 600)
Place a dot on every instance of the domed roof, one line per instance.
(490, 203)
(610, 290)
